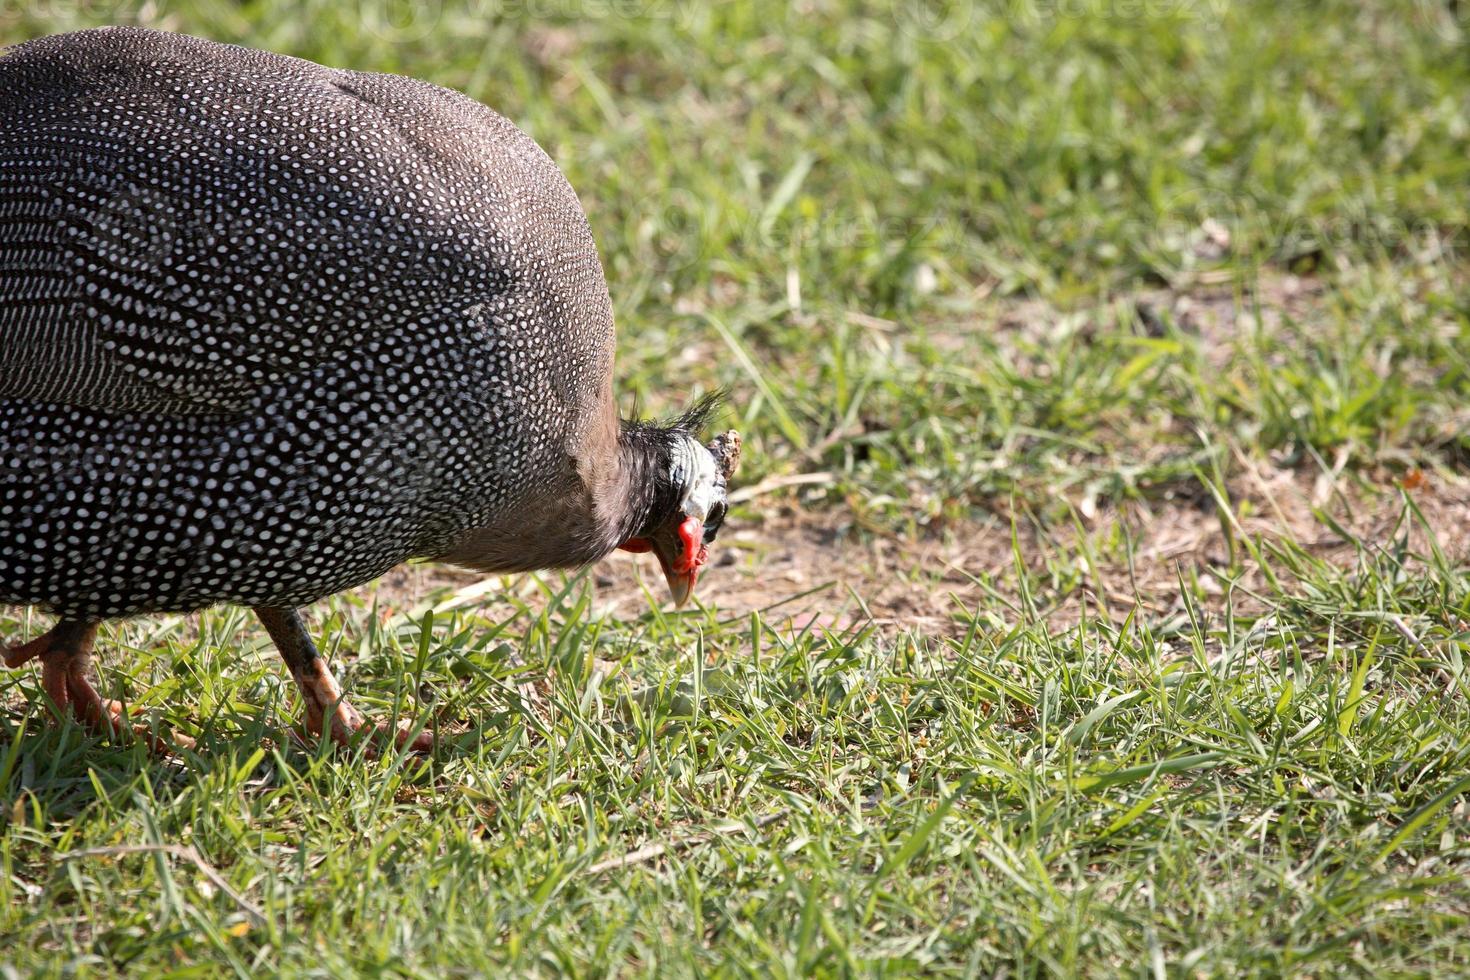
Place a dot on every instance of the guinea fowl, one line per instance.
(268, 329)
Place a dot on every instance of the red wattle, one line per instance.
(691, 535)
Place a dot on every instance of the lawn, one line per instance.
(1098, 600)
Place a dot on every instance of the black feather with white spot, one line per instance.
(268, 329)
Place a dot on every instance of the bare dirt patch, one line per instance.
(803, 568)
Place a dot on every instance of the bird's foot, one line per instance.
(329, 713)
(65, 653)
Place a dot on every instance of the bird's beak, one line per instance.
(681, 585)
(681, 554)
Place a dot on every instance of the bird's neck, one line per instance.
(622, 491)
(611, 492)
(636, 494)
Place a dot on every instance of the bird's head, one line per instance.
(691, 495)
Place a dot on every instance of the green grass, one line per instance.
(1023, 263)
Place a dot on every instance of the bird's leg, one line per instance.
(327, 711)
(65, 653)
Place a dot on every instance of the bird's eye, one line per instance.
(712, 525)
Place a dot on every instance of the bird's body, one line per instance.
(268, 329)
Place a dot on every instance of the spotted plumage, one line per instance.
(268, 329)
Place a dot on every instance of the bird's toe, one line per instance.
(26, 652)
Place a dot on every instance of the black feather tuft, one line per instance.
(699, 415)
(692, 422)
